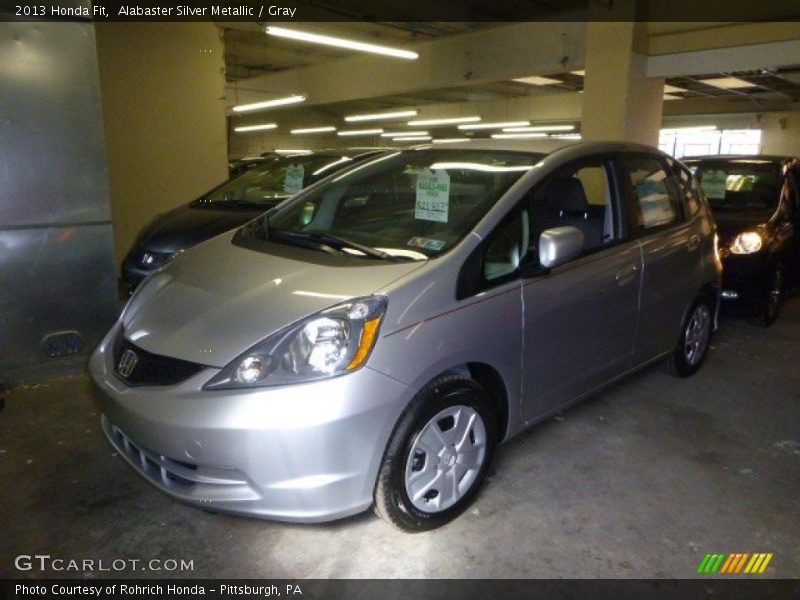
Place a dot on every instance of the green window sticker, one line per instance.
(713, 184)
(433, 196)
(293, 179)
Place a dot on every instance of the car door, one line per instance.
(580, 317)
(672, 250)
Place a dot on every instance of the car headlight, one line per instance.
(335, 341)
(748, 242)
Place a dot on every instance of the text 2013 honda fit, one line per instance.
(371, 341)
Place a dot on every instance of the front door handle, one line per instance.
(626, 274)
(693, 243)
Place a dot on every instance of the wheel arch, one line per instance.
(491, 379)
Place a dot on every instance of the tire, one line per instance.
(425, 457)
(773, 298)
(694, 340)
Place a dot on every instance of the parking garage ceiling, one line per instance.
(249, 53)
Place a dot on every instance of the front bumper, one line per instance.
(745, 281)
(304, 453)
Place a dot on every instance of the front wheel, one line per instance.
(694, 341)
(438, 456)
(774, 298)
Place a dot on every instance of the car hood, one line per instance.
(731, 224)
(188, 225)
(217, 300)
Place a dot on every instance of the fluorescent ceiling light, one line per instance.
(537, 80)
(312, 130)
(261, 127)
(399, 114)
(292, 151)
(269, 103)
(447, 121)
(450, 140)
(413, 138)
(566, 136)
(327, 40)
(494, 125)
(324, 168)
(671, 89)
(517, 136)
(360, 132)
(579, 73)
(727, 83)
(535, 128)
(690, 128)
(402, 133)
(470, 166)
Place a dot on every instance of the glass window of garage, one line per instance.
(414, 203)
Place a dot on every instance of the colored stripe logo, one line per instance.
(738, 562)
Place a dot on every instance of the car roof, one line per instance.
(776, 158)
(545, 146)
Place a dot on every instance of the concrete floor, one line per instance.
(640, 481)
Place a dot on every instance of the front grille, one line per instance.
(149, 368)
(187, 480)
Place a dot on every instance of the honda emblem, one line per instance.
(127, 363)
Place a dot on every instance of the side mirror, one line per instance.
(559, 245)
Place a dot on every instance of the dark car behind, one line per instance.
(755, 205)
(238, 200)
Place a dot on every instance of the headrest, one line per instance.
(567, 194)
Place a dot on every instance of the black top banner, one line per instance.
(400, 589)
(288, 11)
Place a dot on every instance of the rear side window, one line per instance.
(689, 189)
(652, 201)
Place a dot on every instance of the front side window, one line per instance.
(412, 204)
(652, 202)
(578, 195)
(506, 247)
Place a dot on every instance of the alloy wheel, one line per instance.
(697, 334)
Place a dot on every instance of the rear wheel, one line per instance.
(694, 340)
(438, 456)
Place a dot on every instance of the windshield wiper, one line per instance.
(335, 242)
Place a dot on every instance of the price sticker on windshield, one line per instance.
(713, 184)
(433, 196)
(293, 179)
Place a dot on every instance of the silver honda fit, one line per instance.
(372, 340)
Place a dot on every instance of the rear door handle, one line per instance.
(693, 243)
(626, 274)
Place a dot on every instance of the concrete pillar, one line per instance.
(162, 88)
(620, 102)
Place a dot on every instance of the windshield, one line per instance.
(269, 183)
(739, 185)
(411, 204)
